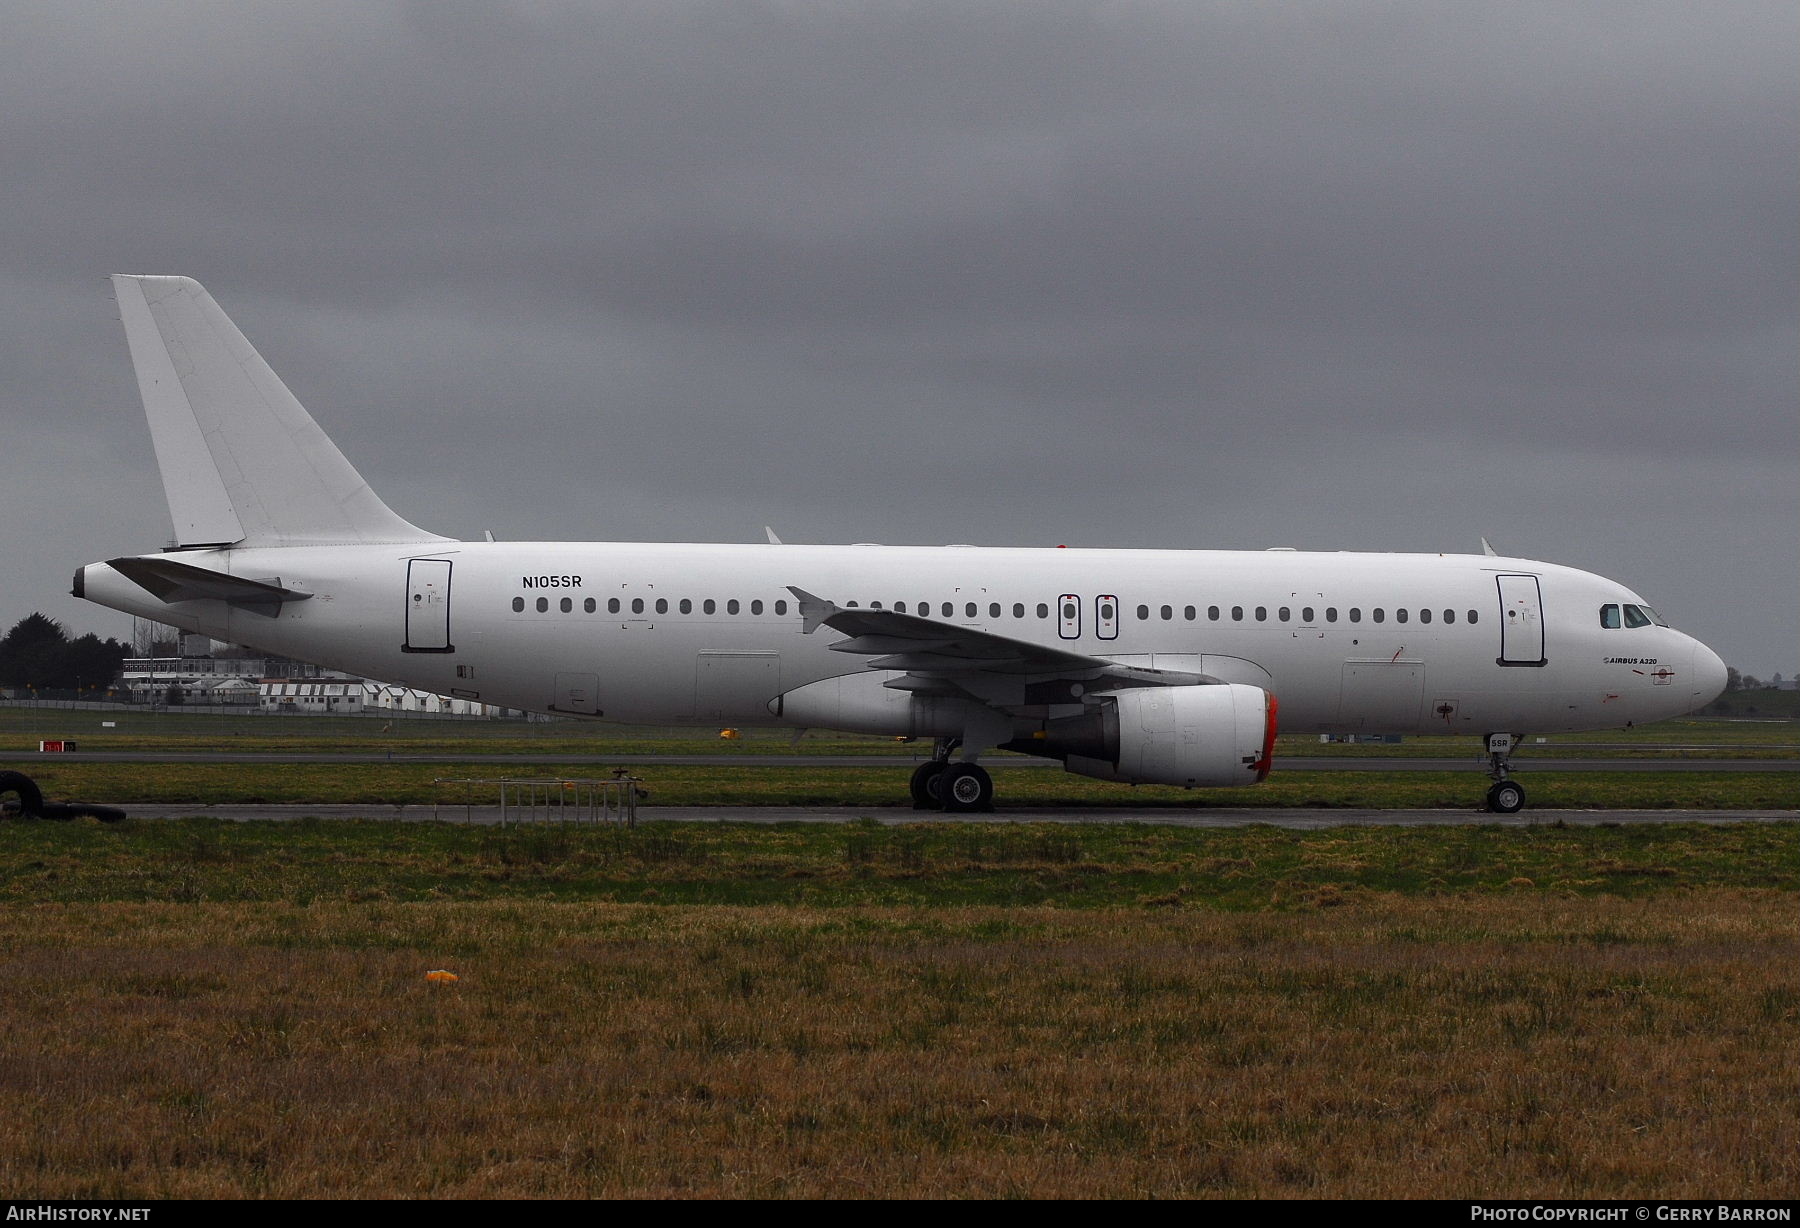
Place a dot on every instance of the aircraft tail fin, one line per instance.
(242, 461)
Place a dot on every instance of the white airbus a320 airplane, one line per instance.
(1143, 666)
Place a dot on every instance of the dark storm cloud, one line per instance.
(1382, 276)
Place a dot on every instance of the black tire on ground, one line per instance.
(31, 798)
(966, 788)
(924, 785)
(1506, 797)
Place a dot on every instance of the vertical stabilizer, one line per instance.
(242, 461)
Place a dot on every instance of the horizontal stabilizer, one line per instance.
(169, 581)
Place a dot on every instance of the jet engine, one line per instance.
(1183, 735)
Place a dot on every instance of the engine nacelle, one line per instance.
(1183, 735)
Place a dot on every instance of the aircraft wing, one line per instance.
(945, 659)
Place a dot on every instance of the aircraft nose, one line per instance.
(1708, 673)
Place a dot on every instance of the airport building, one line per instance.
(279, 686)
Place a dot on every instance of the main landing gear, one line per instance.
(1504, 796)
(957, 788)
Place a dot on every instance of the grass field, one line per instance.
(135, 729)
(755, 782)
(200, 1009)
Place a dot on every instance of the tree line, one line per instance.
(38, 654)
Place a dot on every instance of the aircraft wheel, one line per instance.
(31, 798)
(1506, 797)
(924, 785)
(966, 788)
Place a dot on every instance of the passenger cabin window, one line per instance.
(969, 610)
(949, 610)
(1400, 615)
(637, 605)
(1282, 614)
(1449, 616)
(567, 604)
(1018, 609)
(543, 603)
(686, 606)
(1167, 613)
(1212, 613)
(1378, 614)
(1424, 616)
(518, 605)
(1143, 612)
(1188, 612)
(756, 607)
(781, 607)
(1355, 614)
(588, 606)
(1043, 609)
(993, 609)
(1237, 613)
(612, 605)
(1473, 617)
(708, 606)
(1262, 614)
(662, 605)
(731, 607)
(1306, 615)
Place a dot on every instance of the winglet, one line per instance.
(1487, 549)
(773, 540)
(815, 610)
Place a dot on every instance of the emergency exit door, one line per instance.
(427, 606)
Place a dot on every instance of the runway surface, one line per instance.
(1298, 818)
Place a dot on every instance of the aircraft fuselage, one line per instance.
(711, 634)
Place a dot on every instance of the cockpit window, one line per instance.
(1654, 616)
(1634, 617)
(1609, 617)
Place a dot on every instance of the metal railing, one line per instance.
(546, 800)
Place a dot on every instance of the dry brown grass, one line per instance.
(1499, 1046)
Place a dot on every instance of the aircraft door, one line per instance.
(735, 685)
(1521, 621)
(1068, 612)
(427, 606)
(1106, 616)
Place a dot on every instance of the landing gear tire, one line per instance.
(966, 788)
(924, 785)
(1506, 797)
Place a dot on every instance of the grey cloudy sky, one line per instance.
(1337, 276)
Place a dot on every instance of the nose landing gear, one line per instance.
(1504, 796)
